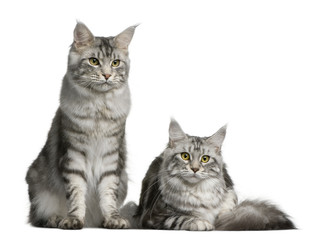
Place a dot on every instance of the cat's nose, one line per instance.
(107, 76)
(195, 169)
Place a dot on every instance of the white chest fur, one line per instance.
(211, 195)
(203, 200)
(101, 117)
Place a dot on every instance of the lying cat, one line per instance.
(188, 188)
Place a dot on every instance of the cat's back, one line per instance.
(40, 170)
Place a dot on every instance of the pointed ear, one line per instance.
(218, 138)
(175, 133)
(82, 36)
(123, 39)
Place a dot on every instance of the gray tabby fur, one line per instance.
(191, 195)
(79, 177)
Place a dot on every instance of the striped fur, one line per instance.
(79, 177)
(254, 215)
(190, 195)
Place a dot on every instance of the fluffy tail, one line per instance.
(254, 215)
(128, 211)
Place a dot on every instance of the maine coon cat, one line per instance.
(188, 188)
(79, 177)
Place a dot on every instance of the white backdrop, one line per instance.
(206, 63)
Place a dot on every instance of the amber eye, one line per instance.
(94, 61)
(115, 63)
(185, 156)
(205, 158)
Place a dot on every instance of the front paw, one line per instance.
(197, 225)
(116, 222)
(53, 222)
(71, 223)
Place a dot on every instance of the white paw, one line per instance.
(197, 225)
(116, 222)
(71, 223)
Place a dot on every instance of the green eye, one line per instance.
(94, 61)
(185, 156)
(115, 63)
(205, 158)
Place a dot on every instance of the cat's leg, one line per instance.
(189, 223)
(112, 188)
(122, 188)
(75, 193)
(109, 188)
(76, 187)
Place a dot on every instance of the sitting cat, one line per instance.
(79, 177)
(188, 188)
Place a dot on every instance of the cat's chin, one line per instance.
(99, 87)
(192, 178)
(86, 84)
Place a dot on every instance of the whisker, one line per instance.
(158, 195)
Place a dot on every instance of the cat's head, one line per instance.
(99, 63)
(194, 159)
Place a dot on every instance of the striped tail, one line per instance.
(254, 215)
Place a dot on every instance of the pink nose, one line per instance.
(107, 76)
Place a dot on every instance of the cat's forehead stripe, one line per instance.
(105, 47)
(196, 141)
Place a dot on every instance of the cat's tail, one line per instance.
(128, 211)
(254, 215)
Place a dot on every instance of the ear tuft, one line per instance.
(175, 132)
(123, 39)
(218, 138)
(82, 36)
